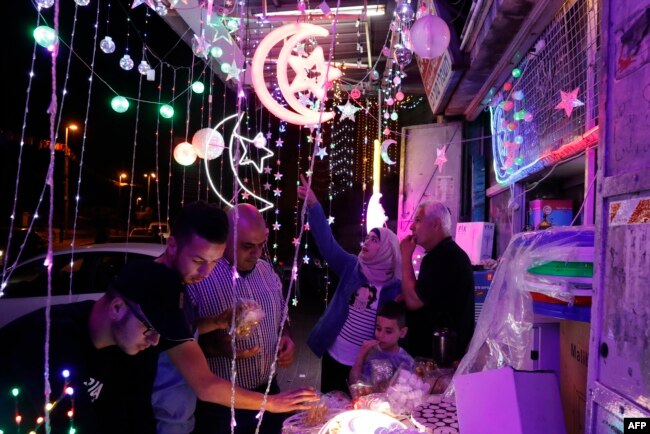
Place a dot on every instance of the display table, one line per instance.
(371, 415)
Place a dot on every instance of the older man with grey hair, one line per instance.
(442, 296)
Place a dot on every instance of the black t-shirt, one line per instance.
(112, 390)
(446, 287)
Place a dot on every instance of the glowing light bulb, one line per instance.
(225, 68)
(40, 419)
(49, 406)
(120, 104)
(69, 391)
(198, 87)
(166, 111)
(126, 63)
(65, 373)
(107, 45)
(45, 37)
(216, 52)
(15, 391)
(516, 73)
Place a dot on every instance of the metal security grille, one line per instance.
(528, 126)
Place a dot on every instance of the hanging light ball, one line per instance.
(166, 111)
(374, 75)
(198, 87)
(208, 143)
(107, 45)
(393, 116)
(390, 101)
(355, 93)
(143, 67)
(399, 96)
(259, 141)
(184, 154)
(519, 161)
(528, 117)
(216, 52)
(82, 2)
(44, 4)
(519, 139)
(516, 73)
(518, 95)
(403, 56)
(507, 86)
(430, 36)
(386, 115)
(225, 68)
(405, 12)
(386, 131)
(120, 104)
(126, 63)
(397, 80)
(508, 105)
(45, 37)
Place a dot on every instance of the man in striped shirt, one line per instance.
(255, 280)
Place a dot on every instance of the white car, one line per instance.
(91, 269)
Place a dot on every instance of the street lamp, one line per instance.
(149, 176)
(66, 172)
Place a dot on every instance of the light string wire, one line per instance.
(83, 151)
(157, 146)
(171, 150)
(12, 217)
(52, 110)
(294, 267)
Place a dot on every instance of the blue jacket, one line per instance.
(346, 266)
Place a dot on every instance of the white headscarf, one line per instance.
(386, 265)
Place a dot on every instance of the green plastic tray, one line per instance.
(568, 269)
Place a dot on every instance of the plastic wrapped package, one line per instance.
(504, 329)
(406, 391)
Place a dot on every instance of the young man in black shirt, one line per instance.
(442, 297)
(91, 351)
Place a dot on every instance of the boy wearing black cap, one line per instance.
(89, 349)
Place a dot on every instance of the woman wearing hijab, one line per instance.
(366, 282)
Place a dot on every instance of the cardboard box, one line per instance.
(476, 239)
(482, 282)
(559, 212)
(574, 356)
(503, 400)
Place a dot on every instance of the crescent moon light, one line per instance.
(233, 136)
(291, 34)
(384, 151)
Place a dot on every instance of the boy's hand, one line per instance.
(368, 345)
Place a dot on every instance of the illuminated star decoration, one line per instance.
(305, 259)
(569, 101)
(278, 176)
(322, 153)
(330, 220)
(304, 99)
(233, 72)
(267, 186)
(260, 143)
(295, 242)
(267, 170)
(278, 143)
(276, 226)
(245, 195)
(277, 192)
(316, 66)
(220, 33)
(348, 111)
(441, 158)
(294, 301)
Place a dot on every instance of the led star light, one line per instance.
(348, 111)
(569, 101)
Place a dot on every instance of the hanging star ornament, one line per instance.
(294, 301)
(322, 153)
(259, 142)
(330, 220)
(266, 186)
(348, 111)
(276, 226)
(441, 158)
(569, 101)
(137, 3)
(312, 73)
(233, 72)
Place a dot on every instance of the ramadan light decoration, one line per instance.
(375, 214)
(441, 158)
(384, 151)
(45, 37)
(312, 73)
(429, 36)
(208, 143)
(216, 52)
(184, 154)
(569, 101)
(45, 4)
(126, 63)
(198, 87)
(166, 111)
(200, 47)
(119, 104)
(348, 111)
(245, 159)
(225, 67)
(82, 2)
(107, 45)
(143, 67)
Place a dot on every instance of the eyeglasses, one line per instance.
(150, 331)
